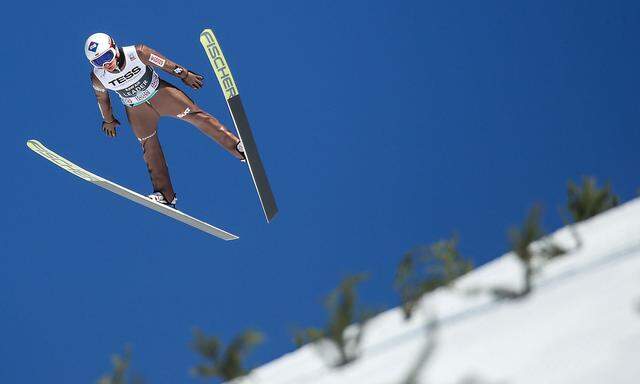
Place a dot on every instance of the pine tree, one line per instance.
(425, 269)
(227, 364)
(589, 200)
(121, 365)
(521, 240)
(342, 306)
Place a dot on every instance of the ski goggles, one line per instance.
(106, 57)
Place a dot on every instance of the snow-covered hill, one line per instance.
(580, 325)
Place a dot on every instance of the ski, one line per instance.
(82, 173)
(236, 108)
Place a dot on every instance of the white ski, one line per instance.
(82, 173)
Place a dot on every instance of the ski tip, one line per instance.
(32, 143)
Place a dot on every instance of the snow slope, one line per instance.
(581, 324)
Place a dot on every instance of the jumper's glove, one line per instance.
(109, 127)
(193, 80)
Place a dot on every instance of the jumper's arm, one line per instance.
(102, 96)
(152, 57)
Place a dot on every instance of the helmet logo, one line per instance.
(93, 46)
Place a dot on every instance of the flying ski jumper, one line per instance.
(129, 71)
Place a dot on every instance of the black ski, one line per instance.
(232, 95)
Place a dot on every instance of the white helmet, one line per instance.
(100, 48)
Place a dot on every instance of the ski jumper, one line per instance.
(147, 98)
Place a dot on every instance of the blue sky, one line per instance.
(383, 125)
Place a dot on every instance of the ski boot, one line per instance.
(158, 197)
(240, 148)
